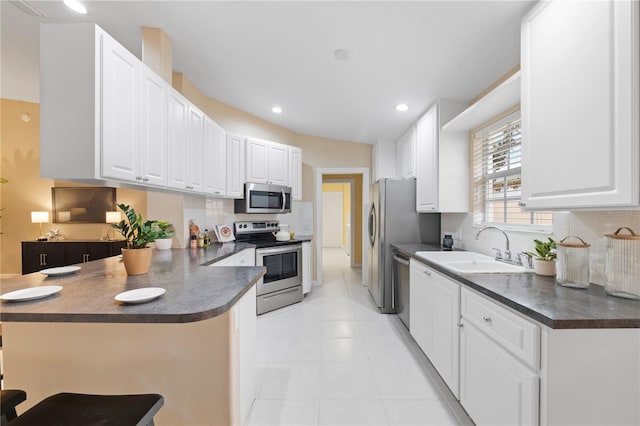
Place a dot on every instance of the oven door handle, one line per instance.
(276, 250)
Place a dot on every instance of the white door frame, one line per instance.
(364, 171)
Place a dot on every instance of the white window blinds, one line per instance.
(497, 164)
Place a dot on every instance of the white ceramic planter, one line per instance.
(544, 267)
(164, 243)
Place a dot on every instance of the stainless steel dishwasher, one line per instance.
(400, 284)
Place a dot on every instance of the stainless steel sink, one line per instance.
(468, 262)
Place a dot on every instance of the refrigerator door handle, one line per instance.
(372, 224)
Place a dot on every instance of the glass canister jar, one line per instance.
(622, 264)
(573, 263)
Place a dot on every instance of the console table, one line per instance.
(38, 255)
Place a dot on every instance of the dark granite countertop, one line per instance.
(541, 299)
(194, 292)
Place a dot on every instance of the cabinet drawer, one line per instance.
(517, 335)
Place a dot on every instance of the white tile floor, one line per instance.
(334, 360)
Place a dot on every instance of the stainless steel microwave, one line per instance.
(264, 198)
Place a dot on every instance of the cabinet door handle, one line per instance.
(146, 179)
(85, 257)
(189, 187)
(43, 259)
(487, 320)
(427, 273)
(138, 177)
(461, 325)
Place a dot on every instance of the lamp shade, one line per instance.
(112, 217)
(39, 217)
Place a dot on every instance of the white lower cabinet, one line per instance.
(433, 318)
(244, 343)
(499, 363)
(507, 369)
(418, 282)
(495, 388)
(246, 257)
(306, 267)
(244, 327)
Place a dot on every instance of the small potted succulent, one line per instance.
(165, 232)
(544, 257)
(138, 234)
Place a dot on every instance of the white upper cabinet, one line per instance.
(215, 158)
(106, 117)
(195, 150)
(235, 166)
(267, 162)
(580, 108)
(120, 111)
(383, 161)
(295, 172)
(406, 154)
(278, 164)
(442, 162)
(257, 165)
(103, 112)
(427, 161)
(153, 129)
(178, 112)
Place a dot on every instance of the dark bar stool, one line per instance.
(8, 402)
(71, 409)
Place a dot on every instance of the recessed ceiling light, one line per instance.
(76, 6)
(341, 55)
(277, 110)
(402, 107)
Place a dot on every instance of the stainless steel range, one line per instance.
(282, 284)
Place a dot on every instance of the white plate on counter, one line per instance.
(140, 295)
(31, 293)
(63, 270)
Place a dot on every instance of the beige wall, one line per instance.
(26, 191)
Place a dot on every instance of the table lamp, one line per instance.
(112, 217)
(40, 217)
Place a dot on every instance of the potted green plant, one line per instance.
(138, 234)
(165, 232)
(544, 257)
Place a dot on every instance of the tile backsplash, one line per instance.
(591, 226)
(206, 212)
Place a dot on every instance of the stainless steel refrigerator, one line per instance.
(393, 219)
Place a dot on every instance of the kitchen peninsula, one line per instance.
(194, 345)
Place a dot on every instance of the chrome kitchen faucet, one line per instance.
(499, 256)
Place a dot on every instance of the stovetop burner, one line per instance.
(260, 233)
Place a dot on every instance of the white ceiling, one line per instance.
(253, 55)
